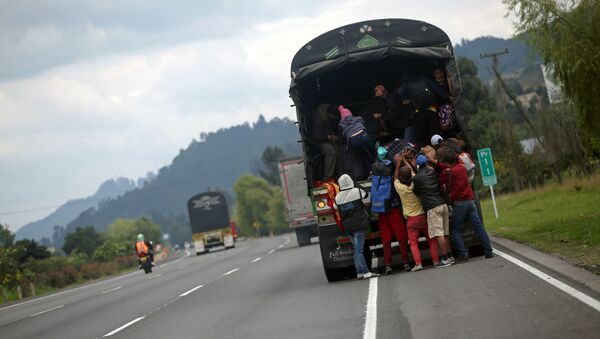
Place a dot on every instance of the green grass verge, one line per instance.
(559, 220)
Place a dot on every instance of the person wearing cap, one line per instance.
(142, 248)
(427, 188)
(416, 219)
(391, 223)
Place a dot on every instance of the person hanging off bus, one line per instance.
(356, 137)
(355, 219)
(416, 219)
(454, 176)
(144, 248)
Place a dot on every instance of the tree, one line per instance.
(29, 248)
(276, 215)
(270, 161)
(6, 236)
(84, 240)
(128, 229)
(252, 195)
(58, 236)
(557, 30)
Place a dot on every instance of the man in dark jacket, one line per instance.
(427, 188)
(325, 136)
(455, 176)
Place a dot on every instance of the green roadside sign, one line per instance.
(486, 165)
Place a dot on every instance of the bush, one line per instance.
(126, 261)
(57, 279)
(71, 274)
(109, 268)
(90, 271)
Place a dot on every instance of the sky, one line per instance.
(93, 90)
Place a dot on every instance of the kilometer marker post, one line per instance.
(488, 173)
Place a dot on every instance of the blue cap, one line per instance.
(381, 153)
(421, 160)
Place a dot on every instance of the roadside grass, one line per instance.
(560, 220)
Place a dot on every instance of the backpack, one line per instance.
(381, 187)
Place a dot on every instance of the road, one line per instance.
(271, 288)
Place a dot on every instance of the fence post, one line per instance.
(4, 295)
(32, 287)
(19, 292)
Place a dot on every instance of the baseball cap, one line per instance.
(436, 139)
(421, 160)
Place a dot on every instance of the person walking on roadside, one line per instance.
(416, 218)
(355, 219)
(391, 222)
(427, 188)
(454, 176)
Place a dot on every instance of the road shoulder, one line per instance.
(579, 275)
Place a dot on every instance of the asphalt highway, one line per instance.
(271, 288)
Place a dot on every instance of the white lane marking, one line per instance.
(48, 310)
(286, 240)
(190, 291)
(280, 246)
(233, 270)
(112, 289)
(124, 326)
(257, 259)
(370, 331)
(271, 252)
(586, 299)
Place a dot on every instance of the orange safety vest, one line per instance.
(141, 247)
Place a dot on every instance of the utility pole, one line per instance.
(509, 134)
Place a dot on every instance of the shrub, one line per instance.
(90, 271)
(109, 268)
(57, 279)
(71, 274)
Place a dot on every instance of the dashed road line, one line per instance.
(123, 327)
(233, 270)
(112, 289)
(586, 299)
(370, 331)
(48, 310)
(280, 246)
(190, 291)
(257, 259)
(271, 252)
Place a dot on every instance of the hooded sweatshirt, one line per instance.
(349, 203)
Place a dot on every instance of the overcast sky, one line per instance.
(95, 89)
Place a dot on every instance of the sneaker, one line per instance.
(407, 267)
(359, 276)
(369, 275)
(388, 270)
(417, 268)
(452, 260)
(443, 263)
(489, 255)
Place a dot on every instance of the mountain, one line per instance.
(213, 163)
(518, 58)
(72, 208)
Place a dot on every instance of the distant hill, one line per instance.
(71, 209)
(518, 59)
(213, 163)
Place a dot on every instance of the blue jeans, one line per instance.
(363, 143)
(463, 210)
(358, 241)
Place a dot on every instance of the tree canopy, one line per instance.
(84, 240)
(127, 230)
(567, 35)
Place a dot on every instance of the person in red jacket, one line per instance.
(454, 175)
